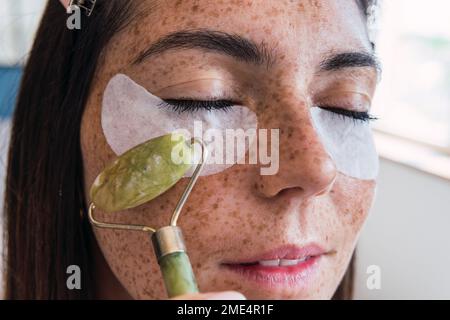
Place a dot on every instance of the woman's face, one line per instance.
(239, 215)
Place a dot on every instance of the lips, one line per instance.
(287, 265)
(284, 254)
(282, 262)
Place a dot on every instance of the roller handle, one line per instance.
(178, 275)
(174, 262)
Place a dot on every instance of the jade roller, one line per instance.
(140, 175)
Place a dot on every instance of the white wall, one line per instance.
(408, 236)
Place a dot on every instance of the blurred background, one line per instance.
(406, 240)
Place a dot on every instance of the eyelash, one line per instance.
(189, 105)
(354, 115)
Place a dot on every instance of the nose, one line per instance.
(304, 164)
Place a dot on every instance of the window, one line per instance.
(413, 99)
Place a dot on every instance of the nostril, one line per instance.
(292, 191)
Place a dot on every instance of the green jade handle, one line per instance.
(173, 261)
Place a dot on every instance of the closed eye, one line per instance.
(355, 115)
(190, 105)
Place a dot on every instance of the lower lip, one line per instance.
(296, 275)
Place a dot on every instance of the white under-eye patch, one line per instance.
(349, 143)
(131, 115)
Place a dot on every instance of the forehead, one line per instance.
(303, 28)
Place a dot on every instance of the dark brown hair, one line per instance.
(44, 187)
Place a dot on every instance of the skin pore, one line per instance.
(312, 53)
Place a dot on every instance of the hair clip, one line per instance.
(86, 5)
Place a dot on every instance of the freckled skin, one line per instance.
(237, 213)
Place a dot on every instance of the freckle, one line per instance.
(161, 207)
(286, 117)
(194, 8)
(228, 282)
(290, 132)
(261, 186)
(192, 24)
(215, 206)
(215, 14)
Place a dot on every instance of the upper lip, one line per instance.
(290, 252)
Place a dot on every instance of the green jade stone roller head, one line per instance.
(140, 175)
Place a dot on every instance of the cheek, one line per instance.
(95, 150)
(211, 213)
(131, 258)
(353, 199)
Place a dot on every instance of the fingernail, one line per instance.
(227, 295)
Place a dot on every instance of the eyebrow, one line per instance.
(232, 45)
(246, 50)
(352, 59)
